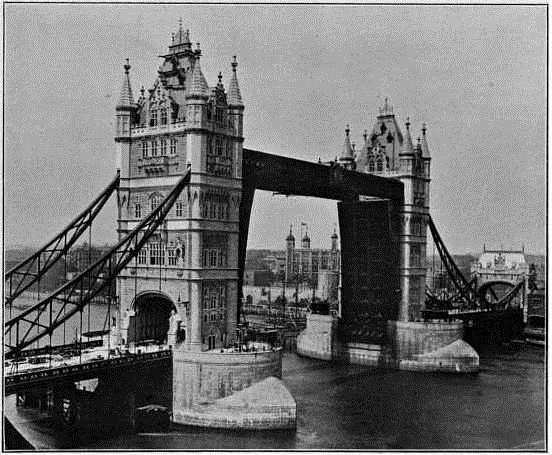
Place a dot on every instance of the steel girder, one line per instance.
(29, 271)
(75, 295)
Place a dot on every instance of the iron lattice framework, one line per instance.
(28, 272)
(29, 326)
(466, 295)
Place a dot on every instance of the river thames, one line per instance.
(342, 406)
(352, 407)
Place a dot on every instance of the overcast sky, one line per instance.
(476, 75)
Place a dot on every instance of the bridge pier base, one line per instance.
(414, 346)
(232, 390)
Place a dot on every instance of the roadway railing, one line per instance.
(21, 381)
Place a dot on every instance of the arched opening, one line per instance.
(151, 318)
(492, 291)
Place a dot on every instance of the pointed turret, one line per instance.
(347, 152)
(362, 156)
(426, 157)
(198, 85)
(305, 241)
(126, 100)
(419, 146)
(125, 112)
(234, 94)
(290, 239)
(407, 148)
(425, 147)
(347, 158)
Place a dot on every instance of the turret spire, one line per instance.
(425, 147)
(198, 86)
(347, 148)
(234, 95)
(182, 36)
(407, 145)
(125, 98)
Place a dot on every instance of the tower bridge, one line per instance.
(185, 186)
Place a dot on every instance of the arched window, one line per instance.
(379, 165)
(179, 208)
(173, 147)
(153, 117)
(371, 167)
(155, 201)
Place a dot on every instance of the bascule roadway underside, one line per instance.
(288, 176)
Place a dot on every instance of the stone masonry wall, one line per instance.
(408, 339)
(200, 377)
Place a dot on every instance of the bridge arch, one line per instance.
(152, 310)
(493, 291)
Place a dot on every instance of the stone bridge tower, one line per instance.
(389, 153)
(188, 271)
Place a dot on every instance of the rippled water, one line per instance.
(353, 407)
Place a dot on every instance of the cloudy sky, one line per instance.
(476, 75)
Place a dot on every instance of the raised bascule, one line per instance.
(185, 188)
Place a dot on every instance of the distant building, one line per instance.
(304, 264)
(500, 265)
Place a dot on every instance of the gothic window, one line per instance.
(163, 116)
(371, 166)
(379, 165)
(154, 147)
(153, 117)
(213, 253)
(415, 256)
(163, 147)
(218, 161)
(219, 146)
(144, 149)
(173, 147)
(214, 300)
(215, 248)
(171, 254)
(137, 211)
(179, 208)
(156, 254)
(219, 114)
(155, 201)
(142, 256)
